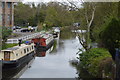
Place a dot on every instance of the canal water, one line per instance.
(56, 62)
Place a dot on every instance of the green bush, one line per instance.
(91, 60)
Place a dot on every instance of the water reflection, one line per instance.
(58, 45)
(43, 53)
(13, 74)
(67, 34)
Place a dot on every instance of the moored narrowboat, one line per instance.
(43, 42)
(17, 56)
(56, 32)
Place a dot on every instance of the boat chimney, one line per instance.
(20, 42)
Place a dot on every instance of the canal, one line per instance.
(55, 64)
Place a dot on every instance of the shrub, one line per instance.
(91, 60)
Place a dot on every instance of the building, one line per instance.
(7, 12)
(0, 14)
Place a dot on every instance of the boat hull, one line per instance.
(44, 48)
(19, 62)
(11, 68)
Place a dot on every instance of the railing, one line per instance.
(24, 38)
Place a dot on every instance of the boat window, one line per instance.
(24, 50)
(32, 47)
(16, 54)
(27, 50)
(14, 40)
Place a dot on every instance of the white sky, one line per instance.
(71, 0)
(77, 2)
(47, 0)
(41, 0)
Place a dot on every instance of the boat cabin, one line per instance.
(43, 40)
(16, 52)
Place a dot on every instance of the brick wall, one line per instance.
(8, 13)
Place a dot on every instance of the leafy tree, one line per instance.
(110, 37)
(5, 33)
(104, 13)
(40, 13)
(52, 14)
(57, 15)
(92, 16)
(24, 14)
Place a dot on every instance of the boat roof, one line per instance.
(47, 36)
(44, 36)
(15, 48)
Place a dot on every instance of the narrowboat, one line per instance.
(17, 56)
(56, 33)
(43, 42)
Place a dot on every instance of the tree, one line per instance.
(88, 11)
(24, 14)
(52, 14)
(110, 37)
(57, 15)
(41, 13)
(92, 17)
(104, 13)
(5, 33)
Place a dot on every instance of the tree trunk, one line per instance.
(88, 28)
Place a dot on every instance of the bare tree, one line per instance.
(89, 13)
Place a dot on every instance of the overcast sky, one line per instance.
(78, 2)
(45, 0)
(70, 0)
